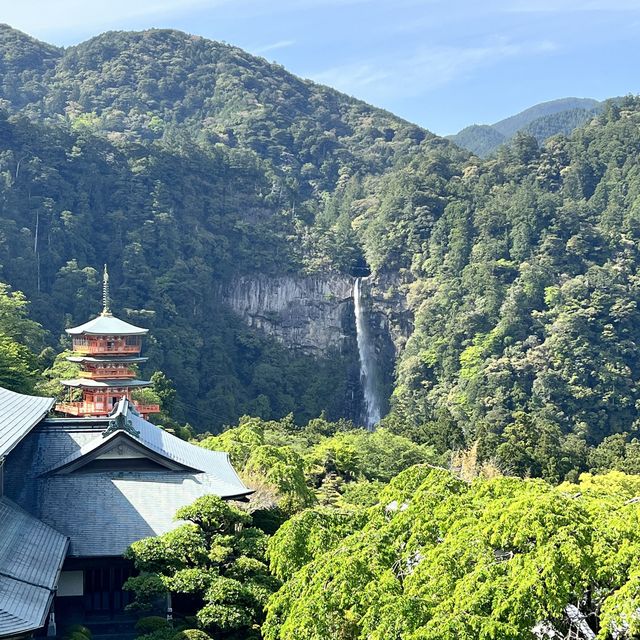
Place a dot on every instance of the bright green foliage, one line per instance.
(60, 369)
(442, 559)
(319, 462)
(240, 441)
(19, 337)
(216, 557)
(360, 454)
(282, 468)
(308, 535)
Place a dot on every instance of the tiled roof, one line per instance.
(108, 359)
(31, 556)
(103, 512)
(18, 415)
(159, 441)
(104, 384)
(107, 325)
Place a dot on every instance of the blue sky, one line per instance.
(443, 64)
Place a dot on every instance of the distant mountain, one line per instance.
(541, 121)
(482, 139)
(509, 126)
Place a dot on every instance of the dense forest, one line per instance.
(496, 498)
(519, 271)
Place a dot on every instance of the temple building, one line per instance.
(76, 491)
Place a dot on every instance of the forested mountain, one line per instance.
(509, 288)
(184, 163)
(541, 121)
(511, 125)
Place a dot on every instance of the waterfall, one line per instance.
(368, 365)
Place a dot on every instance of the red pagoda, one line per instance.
(107, 350)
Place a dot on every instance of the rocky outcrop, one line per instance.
(389, 309)
(313, 314)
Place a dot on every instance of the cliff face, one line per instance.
(312, 314)
(315, 316)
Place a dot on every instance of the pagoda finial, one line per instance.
(106, 310)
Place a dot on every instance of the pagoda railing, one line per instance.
(146, 409)
(100, 409)
(111, 374)
(104, 349)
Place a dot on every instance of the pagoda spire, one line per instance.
(106, 301)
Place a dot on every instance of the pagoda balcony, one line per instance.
(100, 409)
(110, 374)
(105, 349)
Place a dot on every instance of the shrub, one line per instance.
(149, 624)
(191, 634)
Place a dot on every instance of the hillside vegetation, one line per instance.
(183, 163)
(540, 121)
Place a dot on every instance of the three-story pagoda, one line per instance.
(107, 350)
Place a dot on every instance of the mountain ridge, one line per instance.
(541, 120)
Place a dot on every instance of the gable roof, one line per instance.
(108, 325)
(126, 422)
(102, 445)
(101, 510)
(19, 413)
(31, 557)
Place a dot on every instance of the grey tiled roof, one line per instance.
(88, 383)
(105, 511)
(112, 358)
(18, 415)
(31, 556)
(107, 325)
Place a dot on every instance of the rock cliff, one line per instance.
(313, 314)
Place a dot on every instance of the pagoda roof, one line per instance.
(106, 359)
(90, 383)
(19, 413)
(107, 325)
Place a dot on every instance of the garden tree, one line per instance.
(318, 462)
(214, 562)
(361, 454)
(283, 469)
(20, 338)
(307, 535)
(439, 558)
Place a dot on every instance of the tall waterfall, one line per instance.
(368, 365)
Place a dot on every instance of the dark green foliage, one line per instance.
(215, 562)
(74, 632)
(149, 624)
(540, 121)
(526, 297)
(184, 163)
(481, 139)
(191, 634)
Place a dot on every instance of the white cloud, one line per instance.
(428, 68)
(281, 44)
